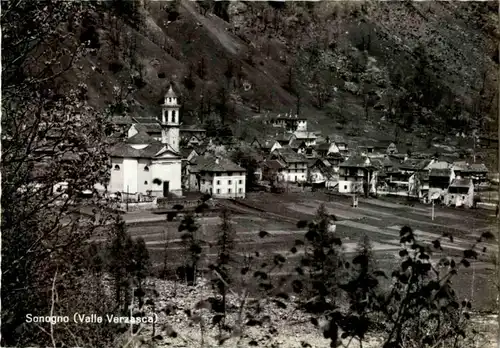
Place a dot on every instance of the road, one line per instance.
(379, 220)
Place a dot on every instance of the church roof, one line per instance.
(151, 151)
(141, 138)
(170, 93)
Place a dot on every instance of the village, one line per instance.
(159, 157)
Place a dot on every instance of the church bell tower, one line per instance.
(170, 120)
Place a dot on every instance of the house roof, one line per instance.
(304, 135)
(284, 137)
(440, 165)
(376, 162)
(296, 144)
(121, 120)
(141, 138)
(214, 164)
(323, 146)
(470, 168)
(335, 155)
(414, 164)
(274, 164)
(290, 156)
(461, 183)
(387, 162)
(440, 172)
(192, 128)
(357, 161)
(186, 151)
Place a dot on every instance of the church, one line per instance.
(146, 166)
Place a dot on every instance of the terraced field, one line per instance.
(379, 220)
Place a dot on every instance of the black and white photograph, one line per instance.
(280, 174)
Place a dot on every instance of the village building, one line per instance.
(460, 193)
(309, 138)
(439, 181)
(401, 177)
(340, 143)
(267, 145)
(321, 173)
(357, 175)
(392, 149)
(295, 164)
(190, 132)
(289, 122)
(273, 170)
(475, 171)
(218, 177)
(143, 165)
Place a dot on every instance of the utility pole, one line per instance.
(126, 202)
(498, 198)
(432, 210)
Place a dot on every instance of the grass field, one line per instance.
(379, 220)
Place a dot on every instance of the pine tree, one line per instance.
(324, 261)
(119, 265)
(192, 245)
(141, 263)
(222, 269)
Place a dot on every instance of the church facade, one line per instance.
(143, 165)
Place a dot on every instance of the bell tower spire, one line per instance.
(170, 120)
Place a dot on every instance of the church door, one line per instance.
(165, 188)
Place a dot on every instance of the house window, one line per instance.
(229, 182)
(218, 191)
(228, 190)
(239, 190)
(146, 169)
(345, 187)
(218, 182)
(240, 182)
(117, 167)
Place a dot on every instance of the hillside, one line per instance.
(426, 68)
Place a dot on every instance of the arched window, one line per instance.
(145, 182)
(146, 169)
(117, 167)
(173, 116)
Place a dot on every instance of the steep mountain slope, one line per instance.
(428, 68)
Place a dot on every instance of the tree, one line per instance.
(49, 135)
(193, 247)
(120, 259)
(222, 280)
(141, 265)
(419, 305)
(323, 262)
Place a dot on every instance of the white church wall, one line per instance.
(130, 176)
(116, 179)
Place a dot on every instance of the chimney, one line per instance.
(216, 161)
